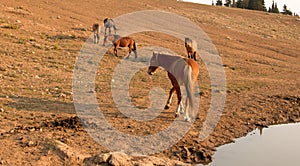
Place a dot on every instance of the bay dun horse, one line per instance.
(125, 42)
(96, 30)
(181, 71)
(191, 48)
(109, 23)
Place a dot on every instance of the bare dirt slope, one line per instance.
(39, 43)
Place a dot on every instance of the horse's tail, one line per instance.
(189, 85)
(134, 45)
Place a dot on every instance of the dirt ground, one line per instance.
(39, 43)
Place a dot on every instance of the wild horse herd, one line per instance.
(181, 70)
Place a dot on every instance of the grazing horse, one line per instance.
(96, 30)
(109, 23)
(191, 48)
(125, 42)
(181, 71)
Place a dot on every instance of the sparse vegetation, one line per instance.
(10, 26)
(261, 53)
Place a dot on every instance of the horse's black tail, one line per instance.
(134, 48)
(134, 45)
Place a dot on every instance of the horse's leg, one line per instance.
(94, 38)
(179, 103)
(98, 38)
(115, 29)
(105, 31)
(104, 40)
(188, 54)
(116, 50)
(109, 30)
(129, 52)
(167, 106)
(187, 117)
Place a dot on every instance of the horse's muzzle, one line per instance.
(150, 72)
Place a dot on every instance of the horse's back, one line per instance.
(123, 41)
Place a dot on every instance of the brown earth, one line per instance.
(41, 39)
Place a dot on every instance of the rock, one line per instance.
(119, 159)
(1, 110)
(66, 152)
(30, 144)
(98, 159)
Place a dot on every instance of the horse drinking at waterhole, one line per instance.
(181, 71)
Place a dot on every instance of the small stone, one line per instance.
(229, 38)
(32, 129)
(30, 144)
(1, 110)
(62, 95)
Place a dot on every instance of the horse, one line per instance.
(109, 23)
(96, 30)
(191, 48)
(181, 71)
(111, 38)
(125, 42)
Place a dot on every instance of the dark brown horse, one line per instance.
(181, 71)
(125, 42)
(191, 48)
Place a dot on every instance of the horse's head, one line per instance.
(153, 64)
(105, 20)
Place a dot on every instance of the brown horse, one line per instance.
(181, 71)
(191, 48)
(96, 30)
(125, 42)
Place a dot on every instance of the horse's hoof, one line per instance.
(187, 119)
(167, 107)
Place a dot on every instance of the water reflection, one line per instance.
(277, 146)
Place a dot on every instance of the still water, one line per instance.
(274, 146)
